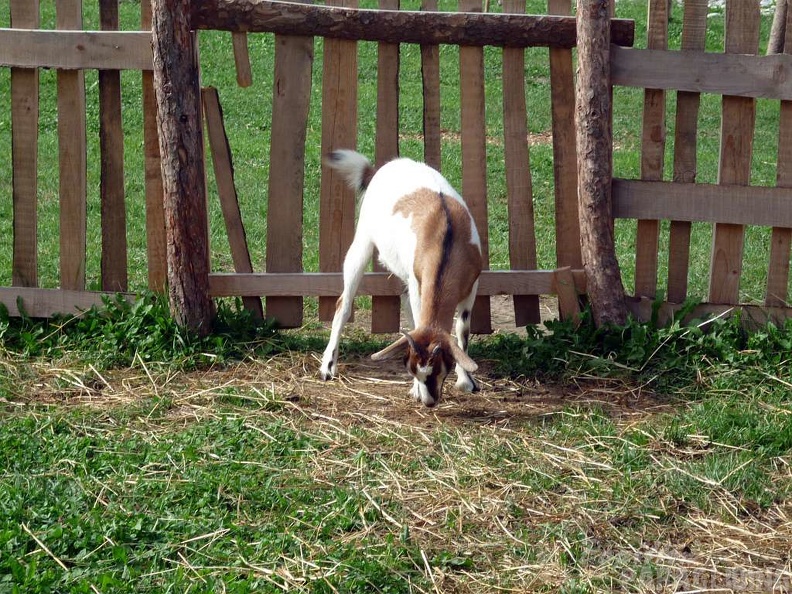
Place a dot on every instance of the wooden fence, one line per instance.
(730, 204)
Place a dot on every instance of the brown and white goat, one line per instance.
(425, 235)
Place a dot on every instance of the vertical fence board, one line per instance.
(737, 126)
(562, 96)
(430, 75)
(385, 311)
(156, 254)
(474, 156)
(222, 161)
(522, 236)
(781, 238)
(24, 154)
(72, 159)
(652, 153)
(694, 31)
(291, 96)
(339, 130)
(111, 142)
(242, 59)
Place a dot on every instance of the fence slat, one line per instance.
(111, 142)
(242, 59)
(781, 238)
(694, 29)
(24, 142)
(731, 205)
(430, 75)
(385, 311)
(522, 237)
(474, 156)
(730, 74)
(291, 96)
(562, 96)
(737, 127)
(76, 50)
(156, 255)
(652, 157)
(329, 284)
(339, 130)
(226, 190)
(72, 159)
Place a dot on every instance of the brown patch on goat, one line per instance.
(446, 262)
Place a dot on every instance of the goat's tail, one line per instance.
(355, 168)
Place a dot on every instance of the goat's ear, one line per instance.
(461, 357)
(391, 350)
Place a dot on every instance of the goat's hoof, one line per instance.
(467, 384)
(326, 371)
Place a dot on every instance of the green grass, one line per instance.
(186, 467)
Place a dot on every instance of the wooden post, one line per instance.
(111, 141)
(24, 154)
(155, 209)
(177, 88)
(594, 150)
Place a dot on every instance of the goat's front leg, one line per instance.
(355, 263)
(465, 381)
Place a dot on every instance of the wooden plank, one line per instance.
(386, 311)
(430, 75)
(781, 238)
(568, 302)
(522, 236)
(731, 205)
(111, 142)
(329, 284)
(72, 149)
(474, 156)
(737, 75)
(339, 130)
(694, 30)
(752, 317)
(737, 128)
(562, 96)
(46, 303)
(242, 59)
(226, 189)
(395, 26)
(156, 255)
(647, 240)
(291, 97)
(24, 155)
(460, 28)
(76, 50)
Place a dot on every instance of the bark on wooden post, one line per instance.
(594, 150)
(177, 87)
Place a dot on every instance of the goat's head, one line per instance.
(429, 355)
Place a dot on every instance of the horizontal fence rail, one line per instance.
(396, 26)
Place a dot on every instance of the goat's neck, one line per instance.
(437, 310)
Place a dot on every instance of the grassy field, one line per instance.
(135, 457)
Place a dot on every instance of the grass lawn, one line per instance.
(135, 457)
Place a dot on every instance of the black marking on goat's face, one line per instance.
(429, 367)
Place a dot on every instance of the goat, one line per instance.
(426, 236)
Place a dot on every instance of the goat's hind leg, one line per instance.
(357, 258)
(465, 381)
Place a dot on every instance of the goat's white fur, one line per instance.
(387, 224)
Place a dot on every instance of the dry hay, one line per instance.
(487, 515)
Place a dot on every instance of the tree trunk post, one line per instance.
(594, 151)
(178, 93)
